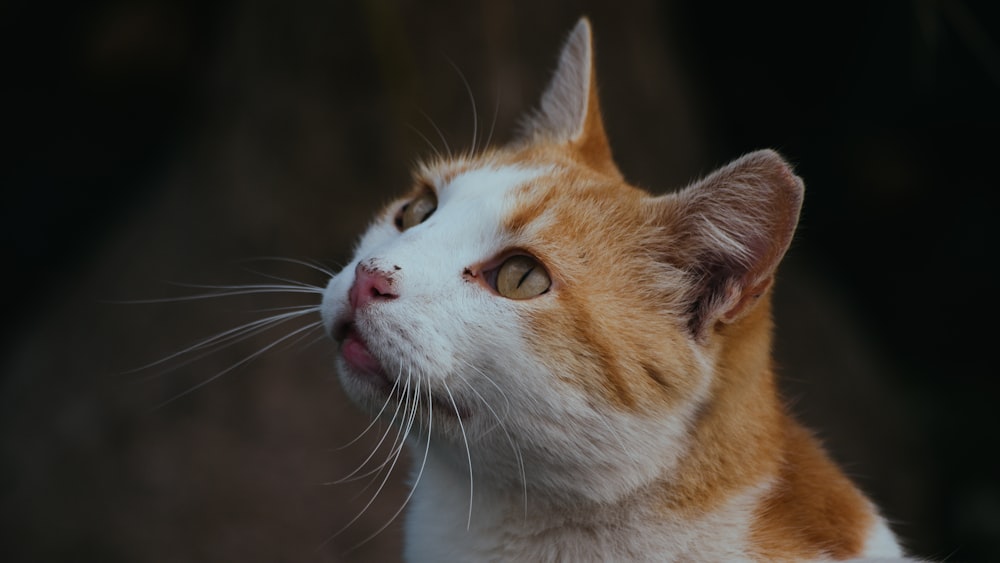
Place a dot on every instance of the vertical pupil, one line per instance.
(521, 277)
(525, 276)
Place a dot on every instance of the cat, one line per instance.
(581, 369)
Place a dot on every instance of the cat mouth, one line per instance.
(363, 365)
(354, 350)
(356, 353)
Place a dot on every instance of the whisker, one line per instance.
(249, 358)
(351, 476)
(472, 100)
(285, 308)
(223, 291)
(493, 123)
(468, 453)
(290, 282)
(437, 153)
(447, 149)
(621, 442)
(398, 442)
(420, 472)
(376, 419)
(321, 338)
(296, 342)
(518, 456)
(307, 263)
(226, 338)
(490, 380)
(295, 287)
(395, 459)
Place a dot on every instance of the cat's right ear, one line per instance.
(569, 112)
(729, 231)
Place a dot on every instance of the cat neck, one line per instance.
(736, 447)
(750, 477)
(739, 430)
(505, 526)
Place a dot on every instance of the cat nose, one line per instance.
(370, 284)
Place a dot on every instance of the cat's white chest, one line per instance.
(502, 528)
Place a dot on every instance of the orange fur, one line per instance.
(604, 219)
(742, 433)
(814, 510)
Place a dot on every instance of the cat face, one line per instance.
(562, 369)
(527, 312)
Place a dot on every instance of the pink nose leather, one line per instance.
(370, 285)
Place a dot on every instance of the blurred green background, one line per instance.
(153, 141)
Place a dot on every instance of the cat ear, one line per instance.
(569, 111)
(729, 231)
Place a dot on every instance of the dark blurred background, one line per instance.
(153, 141)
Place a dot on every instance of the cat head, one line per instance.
(527, 309)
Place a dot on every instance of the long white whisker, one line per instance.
(308, 264)
(321, 338)
(395, 459)
(490, 380)
(351, 476)
(621, 442)
(493, 123)
(315, 325)
(472, 100)
(420, 472)
(468, 453)
(437, 153)
(290, 282)
(406, 421)
(315, 308)
(376, 419)
(228, 337)
(295, 287)
(503, 427)
(398, 441)
(447, 149)
(224, 291)
(253, 356)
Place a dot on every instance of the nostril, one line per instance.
(371, 284)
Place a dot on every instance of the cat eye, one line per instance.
(522, 277)
(417, 211)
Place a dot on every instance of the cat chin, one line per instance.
(376, 393)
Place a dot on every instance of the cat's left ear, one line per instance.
(569, 111)
(729, 231)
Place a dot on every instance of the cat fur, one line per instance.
(629, 413)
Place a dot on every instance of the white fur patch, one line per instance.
(637, 530)
(881, 543)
